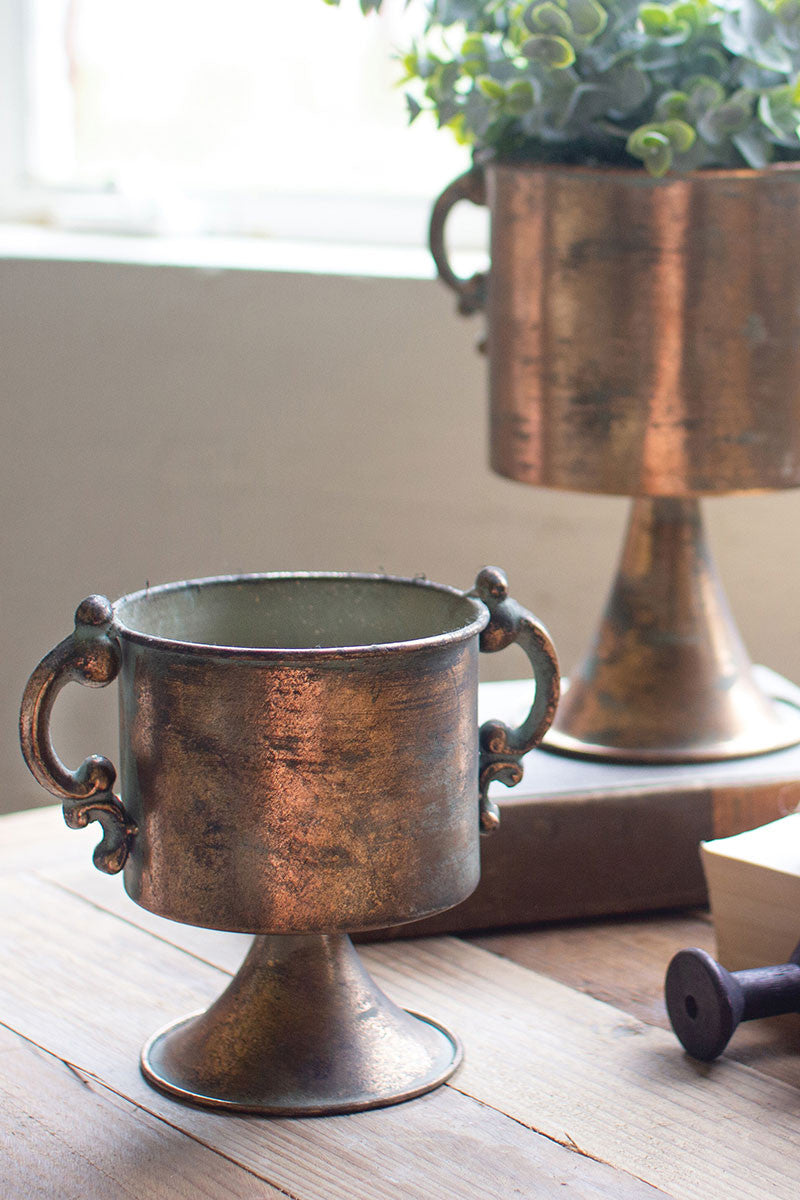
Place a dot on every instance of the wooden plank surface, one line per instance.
(89, 987)
(588, 1075)
(578, 1071)
(623, 961)
(63, 1135)
(560, 1092)
(39, 837)
(588, 957)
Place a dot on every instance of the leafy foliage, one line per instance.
(679, 84)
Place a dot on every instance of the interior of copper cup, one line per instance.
(297, 612)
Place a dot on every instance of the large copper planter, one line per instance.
(300, 759)
(644, 340)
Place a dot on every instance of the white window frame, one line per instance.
(12, 107)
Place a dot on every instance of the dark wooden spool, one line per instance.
(706, 1002)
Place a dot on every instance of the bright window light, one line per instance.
(263, 117)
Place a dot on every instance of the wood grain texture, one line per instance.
(89, 987)
(589, 1075)
(623, 961)
(580, 1072)
(588, 957)
(63, 1134)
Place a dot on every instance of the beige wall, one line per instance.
(161, 423)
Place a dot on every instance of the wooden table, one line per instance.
(571, 1085)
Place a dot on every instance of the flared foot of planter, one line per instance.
(302, 1030)
(668, 679)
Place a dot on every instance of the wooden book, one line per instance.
(754, 889)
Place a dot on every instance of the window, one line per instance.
(270, 118)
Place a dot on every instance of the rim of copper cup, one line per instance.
(433, 641)
(636, 173)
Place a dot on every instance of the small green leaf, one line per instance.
(628, 88)
(490, 88)
(656, 145)
(681, 136)
(653, 148)
(519, 97)
(472, 45)
(588, 18)
(689, 14)
(549, 18)
(473, 56)
(779, 113)
(410, 61)
(754, 148)
(671, 104)
(463, 134)
(413, 107)
(655, 19)
(726, 119)
(704, 93)
(713, 61)
(553, 52)
(698, 83)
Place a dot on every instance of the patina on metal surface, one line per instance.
(644, 340)
(301, 1010)
(299, 756)
(92, 658)
(668, 678)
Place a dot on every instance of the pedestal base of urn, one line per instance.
(776, 726)
(301, 1030)
(668, 679)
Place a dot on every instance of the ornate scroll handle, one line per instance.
(90, 657)
(502, 748)
(471, 292)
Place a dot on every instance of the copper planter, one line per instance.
(644, 340)
(300, 759)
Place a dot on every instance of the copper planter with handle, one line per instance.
(644, 340)
(300, 759)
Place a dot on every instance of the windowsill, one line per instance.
(31, 242)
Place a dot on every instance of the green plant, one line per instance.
(685, 84)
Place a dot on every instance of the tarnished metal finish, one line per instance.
(301, 1030)
(277, 787)
(501, 748)
(300, 756)
(471, 292)
(644, 339)
(644, 335)
(88, 656)
(284, 796)
(668, 678)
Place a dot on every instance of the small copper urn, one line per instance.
(300, 759)
(644, 340)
